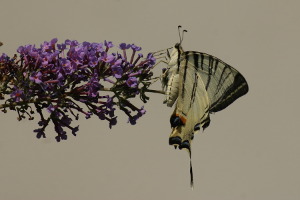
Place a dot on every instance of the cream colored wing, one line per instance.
(223, 83)
(191, 108)
(202, 84)
(206, 84)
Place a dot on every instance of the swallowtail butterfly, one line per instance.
(201, 84)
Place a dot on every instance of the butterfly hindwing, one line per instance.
(201, 84)
(192, 104)
(206, 84)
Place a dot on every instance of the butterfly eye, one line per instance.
(175, 140)
(175, 121)
(206, 123)
(185, 144)
(197, 127)
(177, 45)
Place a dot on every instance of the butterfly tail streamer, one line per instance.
(191, 171)
(178, 140)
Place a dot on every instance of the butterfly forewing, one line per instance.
(223, 83)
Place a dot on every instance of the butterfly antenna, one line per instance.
(180, 38)
(182, 35)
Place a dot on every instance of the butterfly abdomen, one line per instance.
(172, 90)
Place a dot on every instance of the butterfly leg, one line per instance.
(160, 52)
(161, 61)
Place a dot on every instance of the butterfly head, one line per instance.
(178, 45)
(173, 59)
(177, 49)
(175, 54)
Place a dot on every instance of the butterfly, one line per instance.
(200, 84)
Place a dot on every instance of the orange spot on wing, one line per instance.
(183, 119)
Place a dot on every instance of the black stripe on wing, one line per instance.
(184, 75)
(210, 63)
(202, 59)
(216, 66)
(194, 90)
(237, 89)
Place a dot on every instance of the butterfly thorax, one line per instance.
(175, 54)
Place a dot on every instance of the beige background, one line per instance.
(250, 151)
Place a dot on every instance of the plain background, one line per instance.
(251, 149)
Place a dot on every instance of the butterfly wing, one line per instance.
(223, 83)
(202, 84)
(206, 85)
(192, 107)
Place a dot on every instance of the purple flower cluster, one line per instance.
(58, 80)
